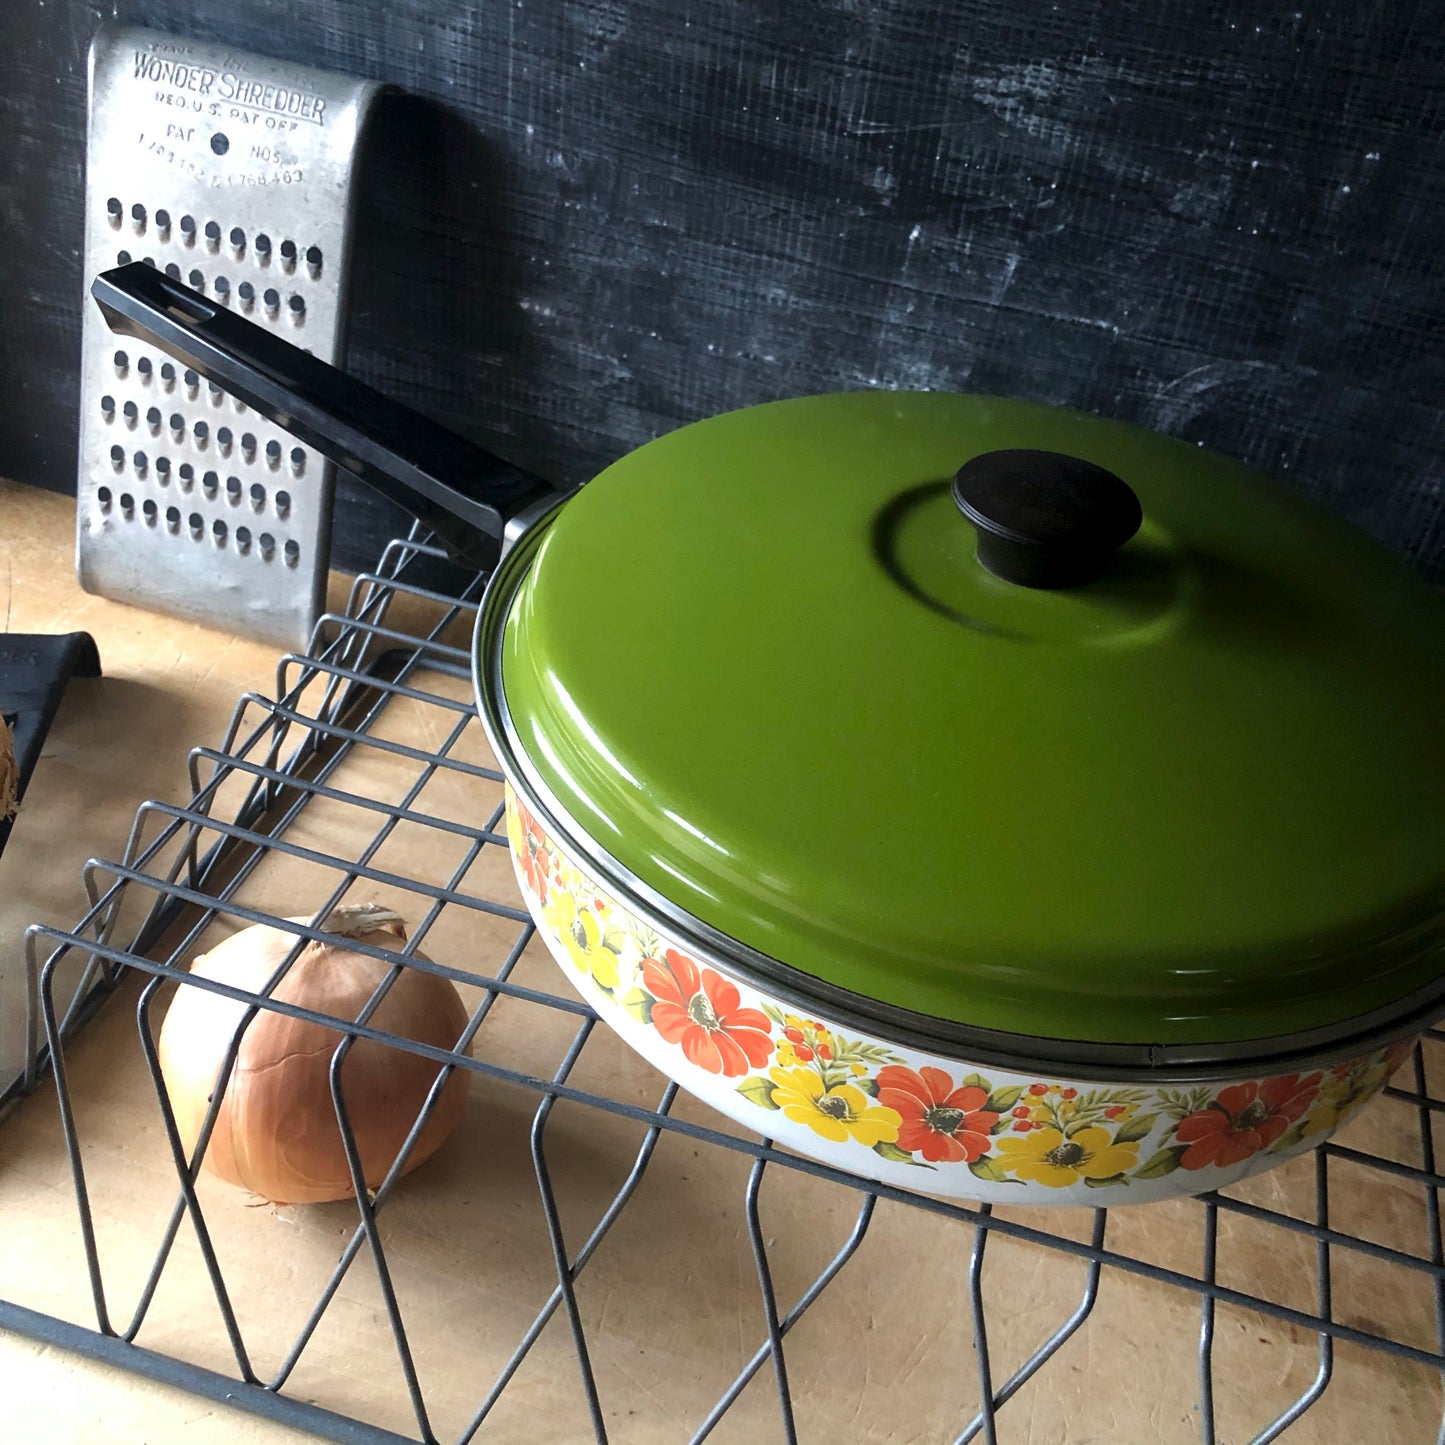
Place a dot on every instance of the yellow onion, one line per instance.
(276, 1133)
(9, 773)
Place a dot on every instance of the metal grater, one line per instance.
(233, 173)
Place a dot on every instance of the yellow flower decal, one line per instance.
(1047, 1157)
(1345, 1088)
(840, 1113)
(580, 933)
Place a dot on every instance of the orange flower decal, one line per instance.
(938, 1121)
(529, 843)
(703, 1012)
(1244, 1119)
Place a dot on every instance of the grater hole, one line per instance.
(150, 511)
(220, 143)
(173, 519)
(238, 239)
(123, 258)
(163, 470)
(198, 281)
(263, 248)
(103, 498)
(213, 236)
(298, 460)
(122, 363)
(168, 376)
(150, 261)
(233, 490)
(188, 230)
(177, 424)
(114, 212)
(247, 292)
(313, 260)
(258, 496)
(107, 407)
(272, 298)
(191, 380)
(273, 454)
(283, 505)
(143, 368)
(215, 395)
(196, 525)
(200, 434)
(141, 463)
(293, 551)
(297, 307)
(218, 532)
(268, 545)
(163, 222)
(117, 457)
(210, 485)
(131, 412)
(153, 420)
(173, 271)
(187, 474)
(222, 287)
(138, 218)
(248, 446)
(224, 440)
(127, 504)
(243, 540)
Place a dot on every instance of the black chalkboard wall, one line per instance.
(589, 220)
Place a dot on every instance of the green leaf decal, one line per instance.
(1136, 1128)
(989, 1169)
(758, 1090)
(1002, 1100)
(1290, 1137)
(1179, 1102)
(639, 1004)
(614, 938)
(897, 1155)
(976, 1081)
(1166, 1161)
(856, 1051)
(867, 1085)
(1108, 1183)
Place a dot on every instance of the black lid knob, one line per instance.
(1045, 519)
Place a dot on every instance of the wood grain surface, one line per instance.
(586, 221)
(670, 1300)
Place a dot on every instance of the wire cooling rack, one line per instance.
(596, 1256)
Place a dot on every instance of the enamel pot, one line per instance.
(987, 798)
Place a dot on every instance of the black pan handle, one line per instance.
(455, 487)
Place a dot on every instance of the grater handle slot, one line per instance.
(458, 489)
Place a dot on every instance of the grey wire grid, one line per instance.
(279, 758)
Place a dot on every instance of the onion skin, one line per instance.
(276, 1132)
(9, 774)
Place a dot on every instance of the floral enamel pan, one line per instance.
(981, 796)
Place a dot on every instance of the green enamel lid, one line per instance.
(1198, 799)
